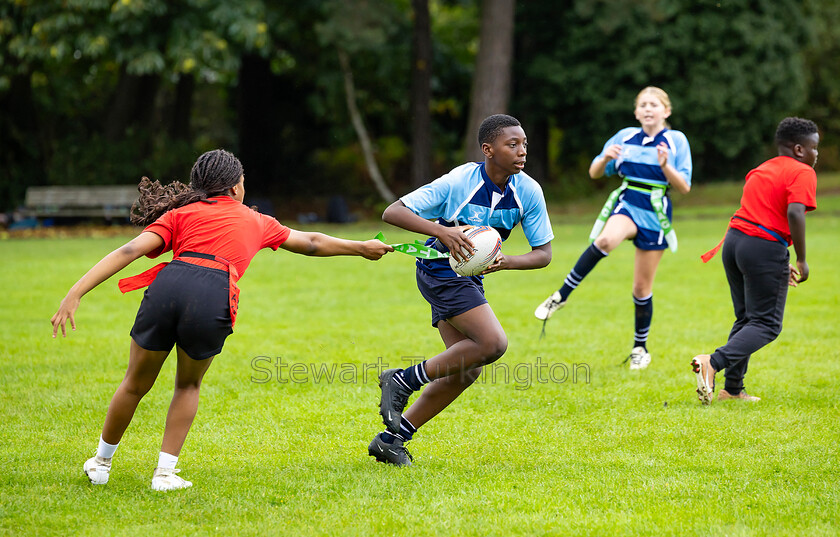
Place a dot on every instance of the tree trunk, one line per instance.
(537, 129)
(23, 142)
(133, 104)
(421, 76)
(179, 127)
(361, 131)
(259, 125)
(491, 81)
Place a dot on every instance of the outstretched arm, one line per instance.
(397, 214)
(796, 221)
(321, 245)
(107, 267)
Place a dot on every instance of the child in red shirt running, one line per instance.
(755, 254)
(191, 302)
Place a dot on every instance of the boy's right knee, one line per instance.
(493, 349)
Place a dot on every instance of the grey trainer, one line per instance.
(394, 453)
(394, 398)
(701, 365)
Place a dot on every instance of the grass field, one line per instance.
(601, 451)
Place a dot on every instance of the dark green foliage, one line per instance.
(90, 90)
(822, 78)
(733, 69)
(102, 91)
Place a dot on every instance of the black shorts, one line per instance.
(449, 296)
(186, 305)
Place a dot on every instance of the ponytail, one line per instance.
(213, 174)
(156, 199)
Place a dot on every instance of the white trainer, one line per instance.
(701, 365)
(97, 470)
(551, 304)
(639, 358)
(165, 479)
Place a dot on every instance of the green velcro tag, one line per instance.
(415, 249)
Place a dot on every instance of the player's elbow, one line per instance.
(544, 256)
(130, 250)
(127, 250)
(314, 245)
(795, 211)
(304, 243)
(390, 212)
(680, 184)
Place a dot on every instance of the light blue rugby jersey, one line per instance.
(467, 196)
(639, 162)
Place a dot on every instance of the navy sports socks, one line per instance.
(644, 315)
(407, 430)
(406, 433)
(585, 263)
(415, 376)
(387, 437)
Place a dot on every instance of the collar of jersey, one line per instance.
(224, 198)
(490, 182)
(650, 139)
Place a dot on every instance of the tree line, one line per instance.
(369, 98)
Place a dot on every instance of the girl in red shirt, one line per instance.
(777, 194)
(191, 302)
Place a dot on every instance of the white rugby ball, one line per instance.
(488, 245)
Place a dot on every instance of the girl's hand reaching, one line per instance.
(374, 249)
(66, 311)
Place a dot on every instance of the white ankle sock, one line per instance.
(106, 450)
(165, 460)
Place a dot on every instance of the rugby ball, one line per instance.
(488, 246)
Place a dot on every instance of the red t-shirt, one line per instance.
(769, 189)
(226, 228)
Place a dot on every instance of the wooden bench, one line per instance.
(113, 201)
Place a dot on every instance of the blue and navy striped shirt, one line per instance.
(467, 196)
(639, 160)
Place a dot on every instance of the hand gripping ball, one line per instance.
(488, 245)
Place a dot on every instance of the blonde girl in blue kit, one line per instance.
(651, 159)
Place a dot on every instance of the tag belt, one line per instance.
(144, 279)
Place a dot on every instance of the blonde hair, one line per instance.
(659, 93)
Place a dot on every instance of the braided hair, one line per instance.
(212, 175)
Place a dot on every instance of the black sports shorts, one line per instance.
(186, 305)
(449, 297)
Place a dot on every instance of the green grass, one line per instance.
(629, 453)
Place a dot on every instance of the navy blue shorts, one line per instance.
(186, 305)
(636, 206)
(449, 296)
